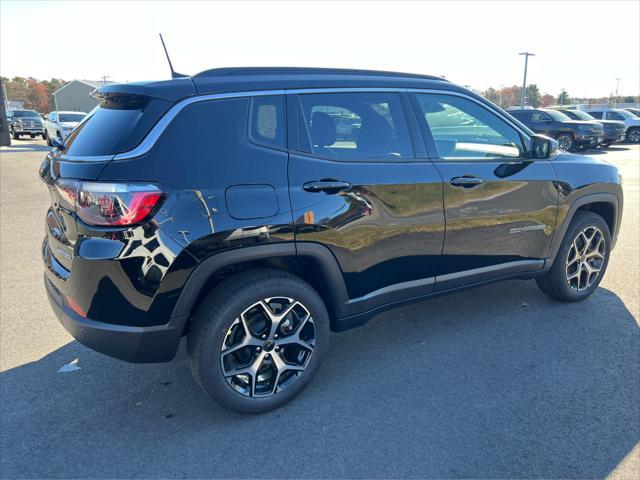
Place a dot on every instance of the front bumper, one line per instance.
(29, 131)
(132, 344)
(588, 140)
(613, 137)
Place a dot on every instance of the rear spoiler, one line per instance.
(169, 90)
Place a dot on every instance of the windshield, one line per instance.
(557, 116)
(580, 115)
(625, 114)
(26, 113)
(71, 117)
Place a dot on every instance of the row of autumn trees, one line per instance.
(35, 94)
(507, 97)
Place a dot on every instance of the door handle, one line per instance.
(466, 181)
(326, 186)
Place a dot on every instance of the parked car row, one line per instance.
(56, 124)
(576, 129)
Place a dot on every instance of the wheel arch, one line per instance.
(311, 262)
(604, 204)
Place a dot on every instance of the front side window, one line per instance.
(356, 126)
(267, 125)
(596, 114)
(615, 116)
(557, 116)
(463, 129)
(538, 117)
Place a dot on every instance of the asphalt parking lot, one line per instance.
(495, 382)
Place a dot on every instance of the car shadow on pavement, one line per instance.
(499, 382)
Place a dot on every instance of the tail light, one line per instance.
(109, 204)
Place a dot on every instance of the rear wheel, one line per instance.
(16, 135)
(581, 261)
(32, 135)
(633, 135)
(565, 141)
(258, 340)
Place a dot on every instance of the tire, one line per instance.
(219, 326)
(44, 136)
(633, 135)
(32, 135)
(565, 141)
(556, 282)
(16, 135)
(48, 139)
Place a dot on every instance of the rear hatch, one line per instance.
(125, 115)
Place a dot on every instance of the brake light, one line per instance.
(109, 204)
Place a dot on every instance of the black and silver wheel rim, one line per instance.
(268, 347)
(585, 259)
(565, 142)
(634, 136)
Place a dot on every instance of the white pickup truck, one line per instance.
(59, 124)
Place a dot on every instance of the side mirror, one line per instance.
(57, 143)
(543, 147)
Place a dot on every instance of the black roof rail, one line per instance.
(256, 71)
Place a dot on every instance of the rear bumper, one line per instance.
(132, 344)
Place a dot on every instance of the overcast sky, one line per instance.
(582, 46)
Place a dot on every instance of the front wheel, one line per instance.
(565, 141)
(258, 340)
(581, 260)
(16, 135)
(633, 135)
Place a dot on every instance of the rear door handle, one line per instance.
(466, 182)
(326, 186)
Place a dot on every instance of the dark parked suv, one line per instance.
(571, 134)
(614, 130)
(227, 208)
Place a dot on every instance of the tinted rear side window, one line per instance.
(356, 126)
(596, 114)
(115, 127)
(267, 125)
(522, 116)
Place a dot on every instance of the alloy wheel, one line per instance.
(585, 258)
(565, 142)
(268, 347)
(634, 136)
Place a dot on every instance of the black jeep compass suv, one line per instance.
(227, 207)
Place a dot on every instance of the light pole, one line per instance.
(615, 99)
(524, 81)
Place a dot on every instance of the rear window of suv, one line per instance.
(117, 125)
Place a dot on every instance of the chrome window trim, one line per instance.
(154, 134)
